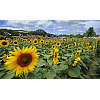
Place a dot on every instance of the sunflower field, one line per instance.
(51, 58)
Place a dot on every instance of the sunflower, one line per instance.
(49, 52)
(43, 44)
(87, 44)
(46, 42)
(68, 46)
(55, 40)
(72, 47)
(17, 38)
(53, 46)
(33, 47)
(84, 50)
(21, 43)
(74, 43)
(7, 38)
(5, 57)
(55, 59)
(76, 60)
(93, 48)
(78, 44)
(64, 39)
(82, 43)
(14, 39)
(10, 40)
(87, 47)
(58, 44)
(61, 40)
(30, 41)
(35, 41)
(77, 53)
(41, 41)
(15, 42)
(4, 43)
(51, 42)
(22, 60)
(24, 40)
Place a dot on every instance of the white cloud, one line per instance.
(26, 24)
(11, 28)
(44, 23)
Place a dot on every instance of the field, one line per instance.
(51, 58)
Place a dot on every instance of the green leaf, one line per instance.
(31, 76)
(64, 57)
(50, 61)
(80, 76)
(1, 57)
(36, 70)
(41, 63)
(50, 75)
(68, 55)
(87, 76)
(10, 76)
(1, 74)
(83, 64)
(47, 56)
(61, 67)
(57, 77)
(94, 72)
(2, 67)
(74, 72)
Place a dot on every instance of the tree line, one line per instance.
(89, 33)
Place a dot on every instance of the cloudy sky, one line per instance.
(52, 26)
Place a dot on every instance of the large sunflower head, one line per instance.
(58, 44)
(35, 41)
(22, 60)
(15, 42)
(4, 43)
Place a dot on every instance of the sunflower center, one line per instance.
(24, 60)
(35, 41)
(49, 51)
(77, 53)
(57, 43)
(15, 42)
(4, 43)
